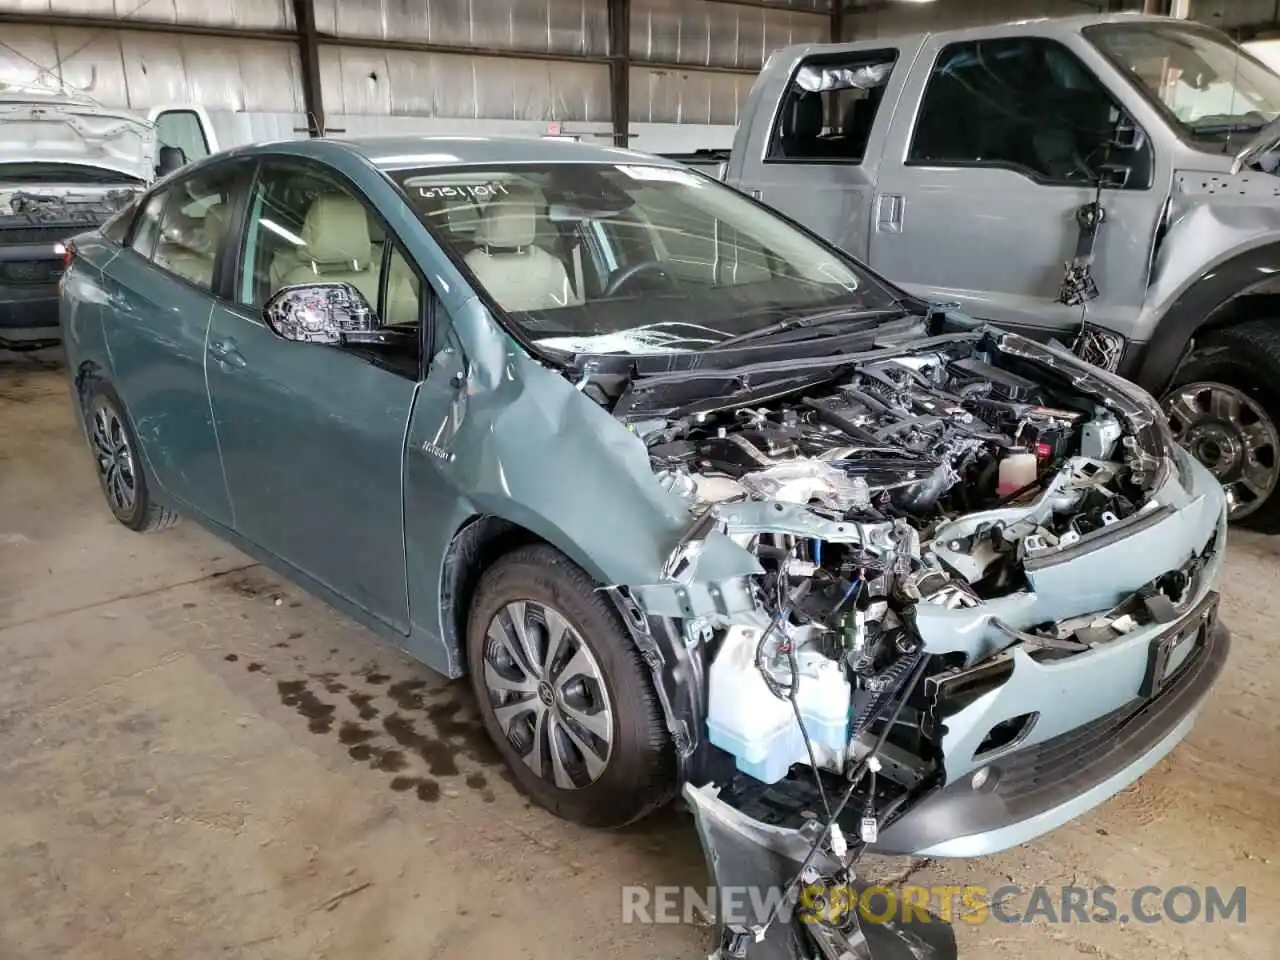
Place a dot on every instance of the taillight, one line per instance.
(65, 250)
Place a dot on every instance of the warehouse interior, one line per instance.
(202, 759)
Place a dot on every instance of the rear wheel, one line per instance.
(564, 692)
(1224, 408)
(116, 455)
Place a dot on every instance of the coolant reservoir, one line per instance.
(1017, 470)
(759, 729)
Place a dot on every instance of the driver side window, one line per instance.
(306, 226)
(1027, 104)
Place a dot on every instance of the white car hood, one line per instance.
(61, 129)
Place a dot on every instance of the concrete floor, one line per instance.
(198, 760)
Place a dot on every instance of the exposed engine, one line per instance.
(947, 473)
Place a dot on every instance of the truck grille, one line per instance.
(33, 272)
(11, 236)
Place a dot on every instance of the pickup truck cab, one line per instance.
(1104, 180)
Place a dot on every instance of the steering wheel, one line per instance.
(628, 274)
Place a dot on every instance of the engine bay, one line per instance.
(953, 473)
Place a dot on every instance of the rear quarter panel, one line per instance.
(83, 303)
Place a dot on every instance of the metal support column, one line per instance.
(620, 70)
(304, 13)
(837, 21)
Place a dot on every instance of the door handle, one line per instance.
(224, 351)
(889, 210)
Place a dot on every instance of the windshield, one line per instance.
(590, 257)
(1205, 83)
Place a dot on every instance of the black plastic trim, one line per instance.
(1213, 291)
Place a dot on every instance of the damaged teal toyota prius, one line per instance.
(697, 502)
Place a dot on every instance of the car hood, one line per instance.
(65, 129)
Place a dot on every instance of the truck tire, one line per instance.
(1224, 407)
(581, 729)
(118, 458)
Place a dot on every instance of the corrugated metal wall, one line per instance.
(680, 96)
(702, 33)
(127, 68)
(1227, 14)
(247, 14)
(718, 44)
(399, 83)
(544, 26)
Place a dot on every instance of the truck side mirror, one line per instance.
(170, 159)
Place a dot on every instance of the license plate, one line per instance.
(1170, 652)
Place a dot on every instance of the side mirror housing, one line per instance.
(170, 159)
(335, 314)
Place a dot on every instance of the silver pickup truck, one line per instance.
(1103, 180)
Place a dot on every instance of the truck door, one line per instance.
(186, 127)
(1009, 141)
(823, 141)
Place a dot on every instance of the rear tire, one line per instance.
(1224, 407)
(582, 731)
(118, 459)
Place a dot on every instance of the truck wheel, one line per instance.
(1224, 407)
(564, 693)
(119, 462)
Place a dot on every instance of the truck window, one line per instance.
(182, 129)
(829, 109)
(1027, 104)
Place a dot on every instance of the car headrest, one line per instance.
(179, 227)
(804, 120)
(215, 218)
(511, 219)
(336, 230)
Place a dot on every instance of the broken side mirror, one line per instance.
(335, 314)
(170, 159)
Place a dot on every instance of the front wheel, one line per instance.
(564, 693)
(1224, 409)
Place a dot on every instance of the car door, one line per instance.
(981, 186)
(313, 436)
(161, 293)
(823, 151)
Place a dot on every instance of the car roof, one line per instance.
(402, 152)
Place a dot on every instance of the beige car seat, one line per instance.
(515, 271)
(338, 249)
(189, 246)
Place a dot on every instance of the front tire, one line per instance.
(119, 461)
(1224, 407)
(564, 693)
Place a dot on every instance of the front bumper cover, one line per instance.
(752, 864)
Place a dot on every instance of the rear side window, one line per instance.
(829, 109)
(1027, 104)
(194, 225)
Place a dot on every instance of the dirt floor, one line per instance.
(197, 761)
